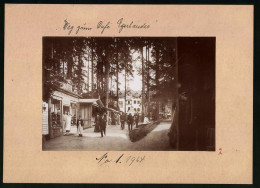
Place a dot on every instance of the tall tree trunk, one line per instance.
(107, 67)
(142, 56)
(117, 73)
(125, 88)
(88, 73)
(117, 86)
(78, 66)
(176, 114)
(98, 74)
(148, 79)
(63, 69)
(70, 66)
(92, 68)
(145, 78)
(157, 82)
(102, 75)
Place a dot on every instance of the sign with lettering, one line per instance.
(45, 128)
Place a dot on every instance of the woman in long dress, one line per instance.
(80, 126)
(64, 120)
(146, 120)
(68, 123)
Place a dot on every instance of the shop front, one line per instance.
(86, 110)
(73, 113)
(113, 116)
(56, 117)
(63, 103)
(66, 104)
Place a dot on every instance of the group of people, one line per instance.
(67, 124)
(101, 123)
(130, 119)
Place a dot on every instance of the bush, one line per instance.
(142, 130)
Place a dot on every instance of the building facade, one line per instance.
(131, 105)
(65, 102)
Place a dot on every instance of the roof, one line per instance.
(95, 102)
(113, 110)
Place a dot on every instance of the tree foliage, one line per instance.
(64, 60)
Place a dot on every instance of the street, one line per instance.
(115, 139)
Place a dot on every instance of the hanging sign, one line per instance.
(45, 128)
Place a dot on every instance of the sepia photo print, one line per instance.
(128, 93)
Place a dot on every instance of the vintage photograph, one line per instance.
(128, 93)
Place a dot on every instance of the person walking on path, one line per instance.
(122, 118)
(136, 119)
(80, 124)
(97, 126)
(130, 121)
(118, 119)
(103, 124)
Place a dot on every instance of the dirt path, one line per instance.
(116, 140)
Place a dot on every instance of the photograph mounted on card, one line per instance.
(113, 92)
(140, 93)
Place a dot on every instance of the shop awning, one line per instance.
(94, 102)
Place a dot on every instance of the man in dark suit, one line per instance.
(130, 121)
(136, 119)
(122, 119)
(97, 121)
(103, 124)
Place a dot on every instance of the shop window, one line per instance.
(66, 109)
(55, 106)
(55, 114)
